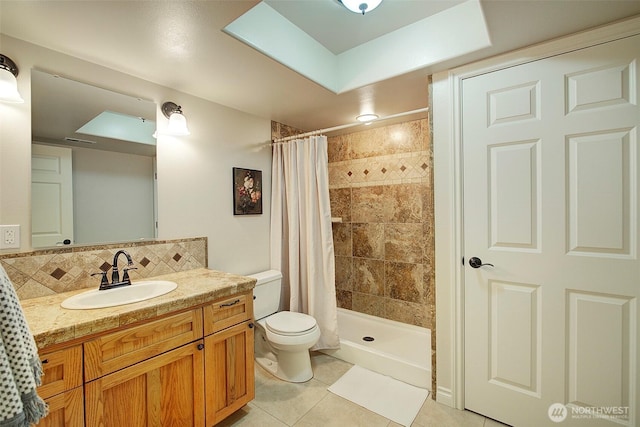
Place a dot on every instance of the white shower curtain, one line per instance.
(301, 238)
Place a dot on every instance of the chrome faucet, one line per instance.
(115, 274)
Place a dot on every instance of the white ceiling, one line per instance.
(180, 44)
(327, 22)
(60, 107)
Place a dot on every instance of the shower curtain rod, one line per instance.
(319, 131)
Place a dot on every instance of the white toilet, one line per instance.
(282, 339)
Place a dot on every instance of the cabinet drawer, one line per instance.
(228, 312)
(62, 371)
(65, 410)
(117, 350)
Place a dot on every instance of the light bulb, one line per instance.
(177, 125)
(9, 87)
(367, 118)
(361, 6)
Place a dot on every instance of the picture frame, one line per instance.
(247, 191)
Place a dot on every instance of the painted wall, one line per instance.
(194, 172)
(114, 190)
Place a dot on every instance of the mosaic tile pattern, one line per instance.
(51, 271)
(385, 169)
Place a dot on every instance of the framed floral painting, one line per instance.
(247, 191)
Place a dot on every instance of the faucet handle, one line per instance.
(125, 276)
(104, 281)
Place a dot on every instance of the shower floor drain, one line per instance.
(368, 339)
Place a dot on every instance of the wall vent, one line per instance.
(82, 141)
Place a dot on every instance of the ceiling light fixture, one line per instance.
(177, 122)
(367, 118)
(8, 82)
(360, 6)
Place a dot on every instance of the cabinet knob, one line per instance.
(200, 346)
(250, 325)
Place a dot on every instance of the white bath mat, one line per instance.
(386, 396)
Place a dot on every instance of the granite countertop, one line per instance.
(51, 324)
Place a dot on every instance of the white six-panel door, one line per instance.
(51, 195)
(551, 200)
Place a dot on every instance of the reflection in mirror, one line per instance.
(93, 164)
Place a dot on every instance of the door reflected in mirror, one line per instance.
(93, 164)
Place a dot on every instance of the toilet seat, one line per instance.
(289, 323)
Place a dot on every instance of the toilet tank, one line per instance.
(266, 293)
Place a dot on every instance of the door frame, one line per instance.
(448, 181)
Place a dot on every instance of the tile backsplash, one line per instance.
(50, 271)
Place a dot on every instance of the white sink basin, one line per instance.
(136, 292)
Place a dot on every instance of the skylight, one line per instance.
(445, 35)
(121, 126)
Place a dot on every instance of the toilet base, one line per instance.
(296, 369)
(294, 366)
(291, 366)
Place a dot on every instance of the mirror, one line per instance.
(93, 164)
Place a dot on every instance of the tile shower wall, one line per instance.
(380, 184)
(279, 130)
(50, 271)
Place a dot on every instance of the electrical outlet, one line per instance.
(9, 236)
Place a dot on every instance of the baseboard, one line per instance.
(444, 396)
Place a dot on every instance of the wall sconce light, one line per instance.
(177, 122)
(360, 6)
(8, 82)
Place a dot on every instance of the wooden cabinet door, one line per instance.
(230, 382)
(166, 390)
(65, 410)
(62, 371)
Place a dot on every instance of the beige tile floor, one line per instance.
(281, 404)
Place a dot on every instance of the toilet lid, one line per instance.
(290, 323)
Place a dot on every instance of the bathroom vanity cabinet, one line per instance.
(190, 368)
(229, 358)
(146, 375)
